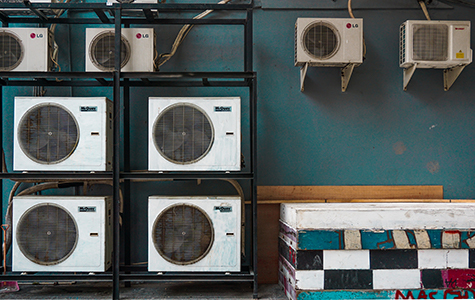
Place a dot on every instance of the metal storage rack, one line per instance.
(121, 82)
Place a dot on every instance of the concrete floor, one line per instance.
(207, 290)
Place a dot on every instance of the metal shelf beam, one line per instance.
(41, 14)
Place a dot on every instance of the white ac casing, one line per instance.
(27, 11)
(225, 116)
(93, 151)
(224, 213)
(415, 49)
(348, 48)
(142, 48)
(36, 45)
(93, 249)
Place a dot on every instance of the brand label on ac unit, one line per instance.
(87, 209)
(222, 108)
(140, 35)
(224, 209)
(34, 35)
(88, 108)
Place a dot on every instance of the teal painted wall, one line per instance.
(375, 133)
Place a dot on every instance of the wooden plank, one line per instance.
(268, 242)
(350, 192)
(363, 200)
(387, 200)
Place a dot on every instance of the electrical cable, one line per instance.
(164, 57)
(424, 9)
(8, 217)
(350, 10)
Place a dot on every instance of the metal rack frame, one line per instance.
(123, 81)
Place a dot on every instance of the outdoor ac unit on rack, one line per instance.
(137, 49)
(27, 11)
(194, 134)
(435, 44)
(62, 234)
(328, 43)
(194, 234)
(25, 49)
(62, 134)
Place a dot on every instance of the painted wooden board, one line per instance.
(269, 199)
(350, 192)
(353, 239)
(374, 216)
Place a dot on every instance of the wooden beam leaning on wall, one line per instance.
(284, 194)
(270, 197)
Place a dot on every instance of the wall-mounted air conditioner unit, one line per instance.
(435, 44)
(194, 234)
(62, 134)
(137, 49)
(62, 234)
(194, 134)
(329, 43)
(25, 49)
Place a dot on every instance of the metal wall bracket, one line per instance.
(303, 73)
(450, 75)
(346, 75)
(407, 75)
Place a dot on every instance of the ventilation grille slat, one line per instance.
(321, 40)
(183, 234)
(48, 133)
(47, 234)
(11, 51)
(102, 51)
(430, 42)
(183, 134)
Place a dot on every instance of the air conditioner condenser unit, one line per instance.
(25, 49)
(62, 134)
(435, 44)
(194, 234)
(329, 42)
(137, 50)
(194, 134)
(62, 234)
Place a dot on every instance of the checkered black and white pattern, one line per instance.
(375, 269)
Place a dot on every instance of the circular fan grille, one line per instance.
(47, 234)
(48, 133)
(183, 234)
(11, 51)
(321, 40)
(183, 133)
(430, 42)
(102, 51)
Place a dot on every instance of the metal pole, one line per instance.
(116, 159)
(253, 125)
(248, 41)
